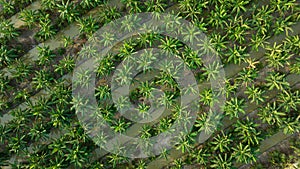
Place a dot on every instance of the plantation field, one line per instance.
(235, 102)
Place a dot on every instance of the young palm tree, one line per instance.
(221, 161)
(7, 31)
(4, 83)
(102, 92)
(148, 39)
(7, 7)
(88, 25)
(16, 143)
(67, 41)
(7, 56)
(295, 68)
(186, 141)
(289, 100)
(255, 94)
(237, 54)
(271, 114)
(46, 29)
(218, 16)
(211, 70)
(88, 4)
(42, 79)
(109, 14)
(133, 6)
(65, 65)
(77, 155)
(170, 45)
(67, 11)
(234, 107)
(29, 17)
(258, 41)
(237, 29)
(247, 76)
(45, 55)
(22, 94)
(238, 6)
(201, 156)
(219, 42)
(247, 132)
(49, 4)
(262, 19)
(221, 142)
(155, 5)
(276, 57)
(283, 25)
(242, 153)
(275, 80)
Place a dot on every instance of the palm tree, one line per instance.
(212, 70)
(88, 25)
(221, 142)
(237, 54)
(29, 17)
(65, 65)
(255, 94)
(7, 7)
(275, 80)
(283, 25)
(289, 100)
(6, 55)
(247, 132)
(133, 6)
(45, 55)
(221, 161)
(49, 4)
(155, 5)
(218, 16)
(276, 57)
(46, 29)
(238, 6)
(102, 92)
(247, 76)
(201, 156)
(234, 107)
(4, 83)
(242, 153)
(271, 114)
(42, 79)
(295, 68)
(258, 40)
(21, 70)
(185, 142)
(67, 11)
